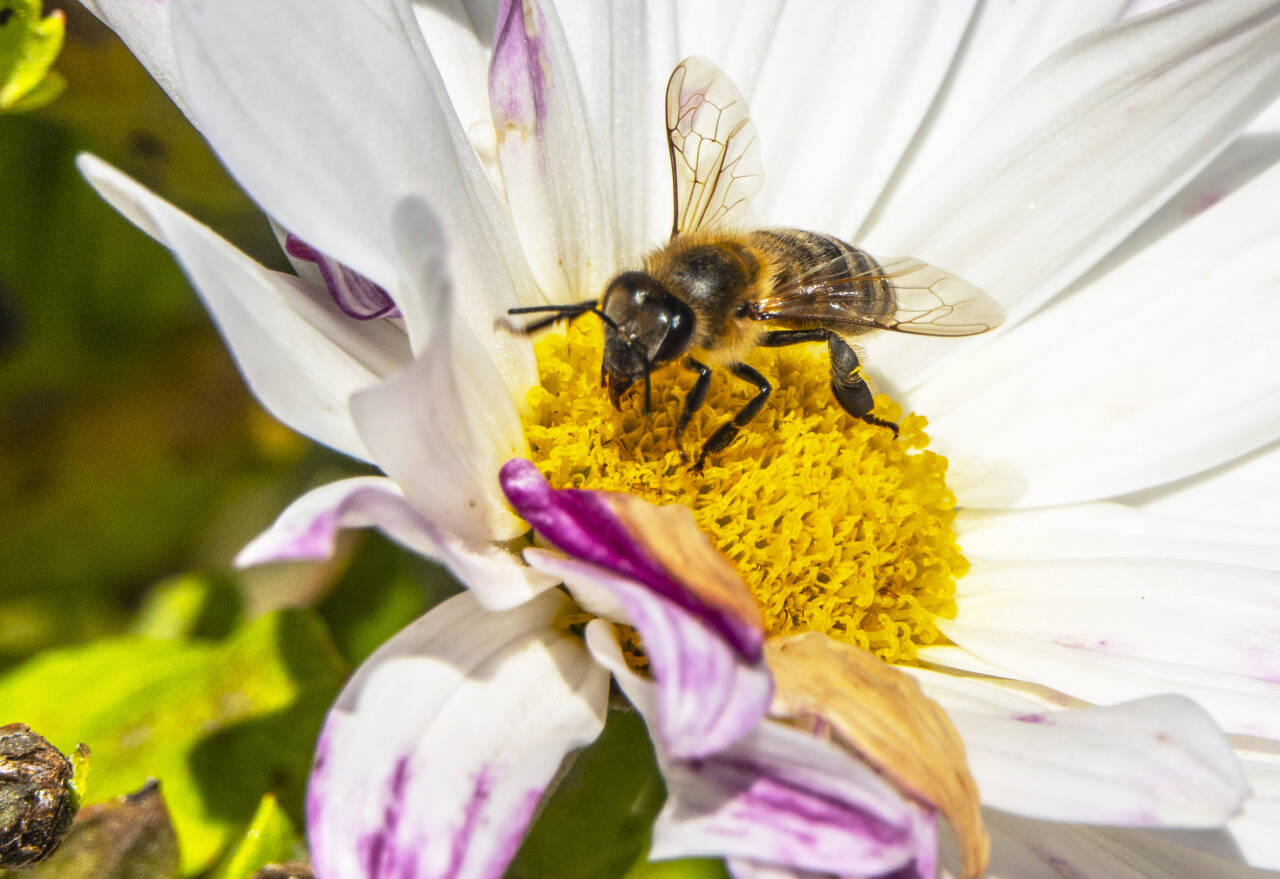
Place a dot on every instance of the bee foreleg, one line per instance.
(697, 394)
(726, 432)
(849, 386)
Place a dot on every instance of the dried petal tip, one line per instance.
(880, 713)
(37, 802)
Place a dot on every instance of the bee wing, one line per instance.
(907, 295)
(715, 149)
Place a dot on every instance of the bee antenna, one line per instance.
(557, 313)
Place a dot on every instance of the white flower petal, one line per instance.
(1005, 40)
(547, 155)
(144, 28)
(1026, 849)
(1106, 630)
(1156, 762)
(1239, 165)
(459, 37)
(1249, 837)
(778, 795)
(330, 120)
(869, 78)
(1245, 492)
(438, 751)
(1107, 530)
(626, 56)
(1115, 388)
(1254, 831)
(444, 426)
(1088, 146)
(310, 525)
(301, 357)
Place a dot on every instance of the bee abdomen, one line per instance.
(797, 254)
(805, 263)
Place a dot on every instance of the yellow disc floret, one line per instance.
(836, 526)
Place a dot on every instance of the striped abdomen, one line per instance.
(802, 263)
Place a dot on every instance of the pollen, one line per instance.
(834, 525)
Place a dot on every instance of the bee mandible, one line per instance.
(715, 291)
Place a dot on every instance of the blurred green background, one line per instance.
(134, 465)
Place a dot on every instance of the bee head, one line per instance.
(645, 325)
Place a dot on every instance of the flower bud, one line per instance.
(37, 801)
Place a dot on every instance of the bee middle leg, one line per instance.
(725, 433)
(848, 385)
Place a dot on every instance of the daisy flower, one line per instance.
(1113, 612)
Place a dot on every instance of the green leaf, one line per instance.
(28, 46)
(697, 868)
(270, 839)
(218, 723)
(190, 606)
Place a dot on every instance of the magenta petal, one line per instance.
(517, 81)
(708, 696)
(352, 292)
(581, 523)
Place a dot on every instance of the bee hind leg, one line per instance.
(726, 432)
(848, 385)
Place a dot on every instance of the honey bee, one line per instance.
(714, 291)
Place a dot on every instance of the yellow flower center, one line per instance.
(835, 526)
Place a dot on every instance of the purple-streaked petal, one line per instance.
(436, 754)
(299, 355)
(778, 795)
(708, 696)
(443, 426)
(586, 525)
(554, 189)
(1080, 153)
(352, 292)
(1108, 630)
(310, 525)
(1154, 762)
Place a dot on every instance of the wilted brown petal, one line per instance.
(881, 714)
(130, 837)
